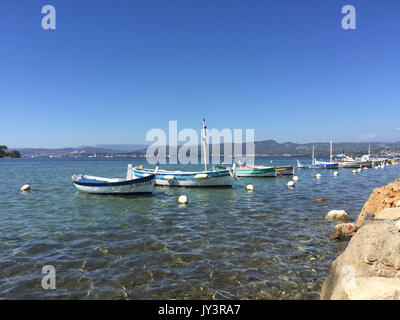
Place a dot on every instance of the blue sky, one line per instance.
(112, 70)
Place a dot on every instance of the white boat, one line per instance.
(218, 177)
(129, 185)
(347, 162)
(315, 165)
(330, 163)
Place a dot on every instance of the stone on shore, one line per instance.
(337, 215)
(344, 230)
(374, 251)
(381, 198)
(388, 214)
(374, 288)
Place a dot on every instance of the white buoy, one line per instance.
(183, 199)
(354, 171)
(336, 173)
(291, 184)
(295, 178)
(249, 187)
(318, 176)
(359, 170)
(365, 168)
(26, 187)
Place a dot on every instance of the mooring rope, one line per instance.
(237, 178)
(51, 189)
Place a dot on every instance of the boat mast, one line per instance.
(313, 158)
(205, 144)
(330, 155)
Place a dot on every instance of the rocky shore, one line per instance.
(369, 268)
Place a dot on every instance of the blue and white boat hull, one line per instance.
(302, 165)
(99, 185)
(260, 171)
(214, 178)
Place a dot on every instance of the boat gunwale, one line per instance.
(115, 183)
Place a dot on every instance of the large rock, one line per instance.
(388, 214)
(380, 198)
(374, 251)
(374, 288)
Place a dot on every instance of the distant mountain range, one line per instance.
(123, 147)
(266, 147)
(271, 147)
(83, 150)
(322, 148)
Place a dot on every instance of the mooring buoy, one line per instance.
(26, 187)
(183, 199)
(250, 187)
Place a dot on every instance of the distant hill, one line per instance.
(271, 147)
(65, 151)
(266, 147)
(123, 147)
(322, 148)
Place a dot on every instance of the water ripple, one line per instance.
(272, 243)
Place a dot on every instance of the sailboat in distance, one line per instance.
(330, 163)
(217, 177)
(315, 164)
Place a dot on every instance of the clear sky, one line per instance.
(112, 70)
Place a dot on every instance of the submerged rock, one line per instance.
(319, 199)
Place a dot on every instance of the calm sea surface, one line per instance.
(272, 243)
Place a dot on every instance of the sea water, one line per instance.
(272, 243)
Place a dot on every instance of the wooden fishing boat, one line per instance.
(303, 165)
(285, 170)
(129, 185)
(255, 171)
(347, 162)
(355, 164)
(215, 178)
(218, 177)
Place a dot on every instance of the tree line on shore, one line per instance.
(11, 154)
